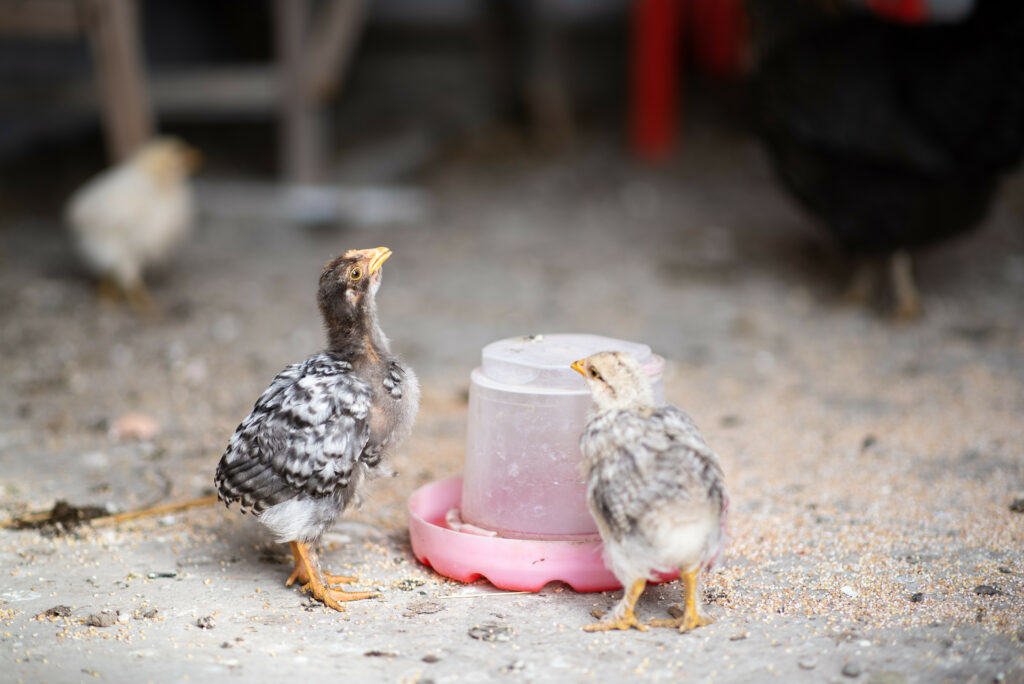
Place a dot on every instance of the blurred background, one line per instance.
(745, 186)
(812, 209)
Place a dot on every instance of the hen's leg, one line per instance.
(908, 304)
(307, 574)
(622, 617)
(862, 285)
(692, 616)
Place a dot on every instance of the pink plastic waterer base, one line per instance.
(512, 564)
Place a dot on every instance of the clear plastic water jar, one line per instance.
(527, 408)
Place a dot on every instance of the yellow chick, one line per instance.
(133, 215)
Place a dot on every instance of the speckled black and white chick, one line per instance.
(653, 485)
(324, 424)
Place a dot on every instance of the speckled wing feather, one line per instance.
(646, 461)
(305, 436)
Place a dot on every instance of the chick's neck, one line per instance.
(357, 334)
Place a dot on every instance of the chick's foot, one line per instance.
(317, 583)
(683, 624)
(140, 300)
(692, 616)
(622, 617)
(628, 621)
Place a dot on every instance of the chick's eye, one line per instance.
(356, 273)
(594, 374)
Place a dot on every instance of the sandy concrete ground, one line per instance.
(871, 466)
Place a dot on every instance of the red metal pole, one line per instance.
(656, 81)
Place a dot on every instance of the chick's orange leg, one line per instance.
(301, 571)
(309, 577)
(301, 575)
(692, 617)
(622, 617)
(108, 290)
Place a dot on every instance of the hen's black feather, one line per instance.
(896, 136)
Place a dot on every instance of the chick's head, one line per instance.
(348, 285)
(167, 159)
(616, 381)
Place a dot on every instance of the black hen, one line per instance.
(896, 136)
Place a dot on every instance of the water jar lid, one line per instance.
(543, 360)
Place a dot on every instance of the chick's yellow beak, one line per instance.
(578, 367)
(376, 257)
(379, 256)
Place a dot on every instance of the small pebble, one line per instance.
(423, 608)
(916, 597)
(848, 591)
(104, 618)
(161, 575)
(58, 611)
(206, 622)
(380, 654)
(729, 421)
(807, 663)
(739, 636)
(123, 618)
(1017, 505)
(491, 632)
(431, 658)
(851, 669)
(986, 590)
(514, 666)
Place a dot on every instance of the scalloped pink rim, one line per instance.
(511, 564)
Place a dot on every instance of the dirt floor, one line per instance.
(872, 466)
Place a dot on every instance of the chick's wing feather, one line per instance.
(304, 436)
(649, 461)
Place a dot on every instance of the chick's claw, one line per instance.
(333, 580)
(684, 623)
(624, 623)
(333, 598)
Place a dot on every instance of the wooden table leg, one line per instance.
(112, 28)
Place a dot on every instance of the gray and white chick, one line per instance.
(324, 425)
(654, 487)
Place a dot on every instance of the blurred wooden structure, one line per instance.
(313, 55)
(313, 49)
(111, 27)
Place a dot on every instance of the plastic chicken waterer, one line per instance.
(518, 516)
